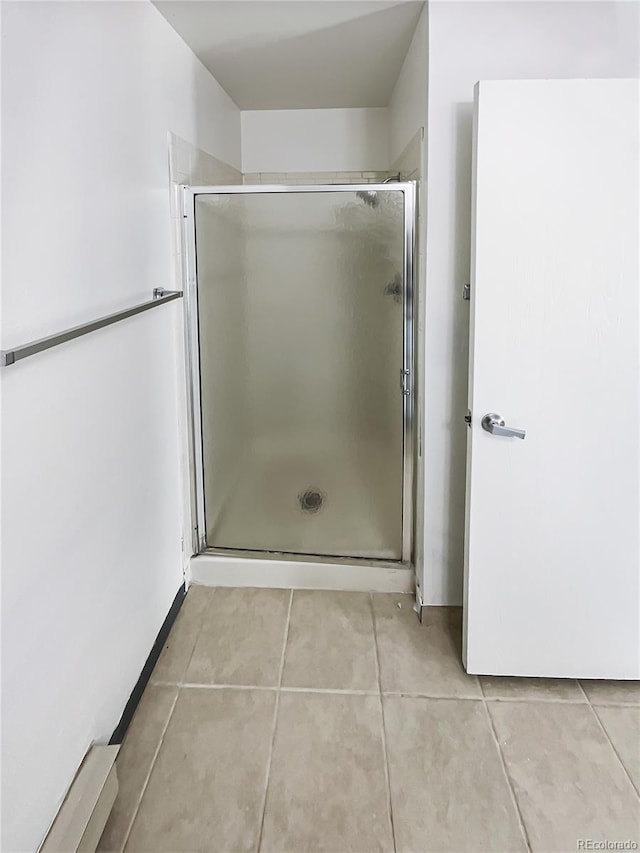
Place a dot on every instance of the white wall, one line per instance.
(315, 140)
(91, 556)
(408, 104)
(470, 42)
(408, 114)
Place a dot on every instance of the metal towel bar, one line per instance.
(160, 296)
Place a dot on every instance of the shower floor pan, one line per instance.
(320, 520)
(320, 499)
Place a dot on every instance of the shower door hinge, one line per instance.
(404, 382)
(466, 291)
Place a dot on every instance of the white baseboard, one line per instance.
(83, 814)
(285, 573)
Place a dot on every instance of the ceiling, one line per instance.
(286, 54)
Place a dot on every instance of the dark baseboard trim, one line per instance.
(136, 694)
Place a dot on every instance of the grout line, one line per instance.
(407, 694)
(606, 734)
(545, 700)
(509, 781)
(584, 692)
(330, 690)
(191, 685)
(286, 639)
(387, 773)
(148, 776)
(275, 721)
(403, 694)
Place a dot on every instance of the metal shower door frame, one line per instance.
(194, 415)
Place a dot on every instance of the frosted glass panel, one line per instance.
(300, 302)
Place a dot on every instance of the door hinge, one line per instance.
(466, 291)
(404, 382)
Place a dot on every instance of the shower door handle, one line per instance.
(404, 382)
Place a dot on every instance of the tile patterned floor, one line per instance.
(320, 721)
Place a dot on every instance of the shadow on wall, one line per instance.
(367, 44)
(459, 355)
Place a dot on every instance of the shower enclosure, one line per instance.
(299, 322)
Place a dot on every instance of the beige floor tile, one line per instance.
(207, 786)
(177, 650)
(612, 692)
(242, 638)
(327, 785)
(567, 778)
(436, 615)
(623, 728)
(417, 658)
(134, 761)
(448, 787)
(504, 687)
(331, 643)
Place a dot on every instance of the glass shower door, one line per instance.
(301, 325)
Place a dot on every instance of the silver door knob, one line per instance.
(495, 425)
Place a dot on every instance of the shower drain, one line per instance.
(311, 500)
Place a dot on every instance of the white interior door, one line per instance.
(552, 554)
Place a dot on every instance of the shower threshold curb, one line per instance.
(215, 569)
